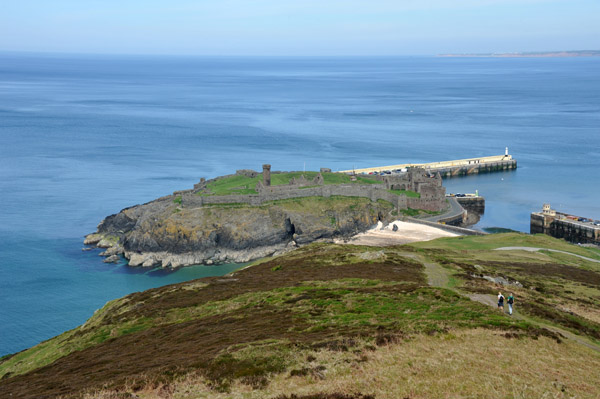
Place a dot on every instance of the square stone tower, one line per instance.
(546, 210)
(266, 175)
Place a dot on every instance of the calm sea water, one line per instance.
(83, 136)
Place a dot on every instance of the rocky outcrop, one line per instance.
(166, 233)
(112, 259)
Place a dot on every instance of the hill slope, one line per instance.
(337, 321)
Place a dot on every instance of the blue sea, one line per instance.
(82, 137)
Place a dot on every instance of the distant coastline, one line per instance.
(534, 54)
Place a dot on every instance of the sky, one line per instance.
(298, 27)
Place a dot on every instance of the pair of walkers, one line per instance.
(510, 300)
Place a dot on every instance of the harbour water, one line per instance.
(82, 137)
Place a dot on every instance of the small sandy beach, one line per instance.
(407, 232)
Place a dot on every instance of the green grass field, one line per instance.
(407, 193)
(238, 184)
(493, 241)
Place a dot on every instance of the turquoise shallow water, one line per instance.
(60, 286)
(82, 137)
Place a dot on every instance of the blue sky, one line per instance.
(298, 27)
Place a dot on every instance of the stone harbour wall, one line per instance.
(475, 168)
(569, 230)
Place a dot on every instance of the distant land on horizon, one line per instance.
(577, 53)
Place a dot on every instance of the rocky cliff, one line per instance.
(165, 233)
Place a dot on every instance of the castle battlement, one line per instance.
(391, 188)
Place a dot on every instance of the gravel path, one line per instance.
(491, 301)
(437, 276)
(532, 249)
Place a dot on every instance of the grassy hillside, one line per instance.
(331, 321)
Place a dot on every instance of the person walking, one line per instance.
(510, 300)
(500, 302)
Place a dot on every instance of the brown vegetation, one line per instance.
(166, 351)
(335, 322)
(477, 363)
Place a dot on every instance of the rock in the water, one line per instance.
(112, 259)
(85, 249)
(149, 262)
(92, 239)
(104, 243)
(112, 251)
(135, 259)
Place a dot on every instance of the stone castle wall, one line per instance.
(371, 191)
(428, 186)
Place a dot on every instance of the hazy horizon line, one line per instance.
(73, 53)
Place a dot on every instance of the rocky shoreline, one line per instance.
(165, 259)
(239, 218)
(162, 233)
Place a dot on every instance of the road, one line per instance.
(455, 211)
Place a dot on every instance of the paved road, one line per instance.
(532, 249)
(454, 211)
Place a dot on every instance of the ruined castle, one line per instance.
(428, 186)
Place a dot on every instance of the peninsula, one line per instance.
(249, 215)
(532, 54)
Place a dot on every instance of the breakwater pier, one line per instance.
(561, 225)
(446, 169)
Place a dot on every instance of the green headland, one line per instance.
(343, 321)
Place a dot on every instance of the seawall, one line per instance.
(475, 207)
(570, 230)
(465, 170)
(446, 169)
(452, 229)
